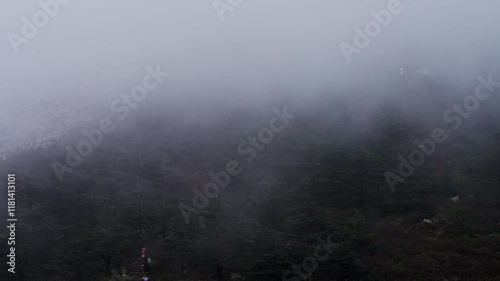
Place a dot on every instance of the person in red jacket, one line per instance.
(146, 268)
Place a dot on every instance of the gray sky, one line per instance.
(261, 47)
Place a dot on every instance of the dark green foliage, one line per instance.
(321, 177)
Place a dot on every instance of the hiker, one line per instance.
(146, 268)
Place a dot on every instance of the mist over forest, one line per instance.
(250, 140)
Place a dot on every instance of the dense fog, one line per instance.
(187, 83)
(257, 50)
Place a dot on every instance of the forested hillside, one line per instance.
(320, 182)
